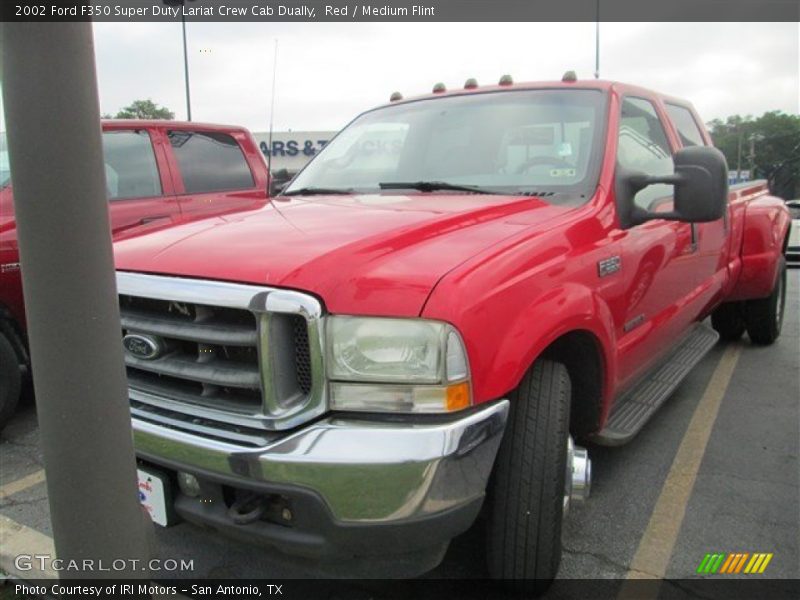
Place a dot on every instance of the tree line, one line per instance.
(768, 146)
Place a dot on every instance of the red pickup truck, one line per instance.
(423, 323)
(157, 173)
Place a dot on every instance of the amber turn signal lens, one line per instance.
(457, 396)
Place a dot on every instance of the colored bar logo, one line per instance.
(734, 563)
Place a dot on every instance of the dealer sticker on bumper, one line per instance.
(152, 496)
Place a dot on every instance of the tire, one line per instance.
(10, 380)
(526, 494)
(764, 316)
(728, 320)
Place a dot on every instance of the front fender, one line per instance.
(564, 309)
(509, 329)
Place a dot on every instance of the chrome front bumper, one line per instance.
(365, 471)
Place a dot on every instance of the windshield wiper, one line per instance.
(317, 191)
(432, 186)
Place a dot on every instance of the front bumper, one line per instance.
(352, 484)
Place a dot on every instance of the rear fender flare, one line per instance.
(766, 228)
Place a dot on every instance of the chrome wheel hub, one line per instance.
(779, 304)
(578, 476)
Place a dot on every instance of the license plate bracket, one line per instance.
(155, 495)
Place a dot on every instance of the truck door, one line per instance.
(657, 255)
(138, 185)
(710, 264)
(211, 172)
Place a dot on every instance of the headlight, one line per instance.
(399, 365)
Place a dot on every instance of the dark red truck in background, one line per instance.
(157, 173)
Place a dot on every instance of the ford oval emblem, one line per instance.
(146, 347)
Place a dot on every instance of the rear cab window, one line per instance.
(130, 165)
(688, 130)
(210, 161)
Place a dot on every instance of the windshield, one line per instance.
(527, 141)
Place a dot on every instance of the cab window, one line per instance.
(210, 162)
(643, 147)
(687, 127)
(130, 165)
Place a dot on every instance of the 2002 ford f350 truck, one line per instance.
(454, 291)
(157, 173)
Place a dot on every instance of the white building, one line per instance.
(291, 150)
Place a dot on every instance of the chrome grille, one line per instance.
(243, 356)
(302, 355)
(223, 432)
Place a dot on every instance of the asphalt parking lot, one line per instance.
(649, 514)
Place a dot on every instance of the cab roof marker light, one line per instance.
(506, 80)
(439, 88)
(471, 84)
(570, 77)
(395, 97)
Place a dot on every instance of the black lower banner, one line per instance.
(439, 589)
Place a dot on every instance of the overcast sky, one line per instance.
(327, 73)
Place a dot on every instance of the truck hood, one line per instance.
(370, 254)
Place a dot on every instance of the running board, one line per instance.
(634, 408)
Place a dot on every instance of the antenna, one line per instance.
(597, 42)
(272, 109)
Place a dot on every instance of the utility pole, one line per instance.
(50, 93)
(186, 70)
(180, 3)
(739, 154)
(272, 109)
(597, 41)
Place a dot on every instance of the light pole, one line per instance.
(185, 55)
(186, 70)
(754, 137)
(50, 91)
(597, 42)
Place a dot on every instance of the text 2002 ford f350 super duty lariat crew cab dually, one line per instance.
(453, 291)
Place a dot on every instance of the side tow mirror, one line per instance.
(701, 187)
(278, 181)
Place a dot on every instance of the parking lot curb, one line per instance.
(18, 540)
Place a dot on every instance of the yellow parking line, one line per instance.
(19, 485)
(655, 548)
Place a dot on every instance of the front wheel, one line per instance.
(765, 316)
(527, 492)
